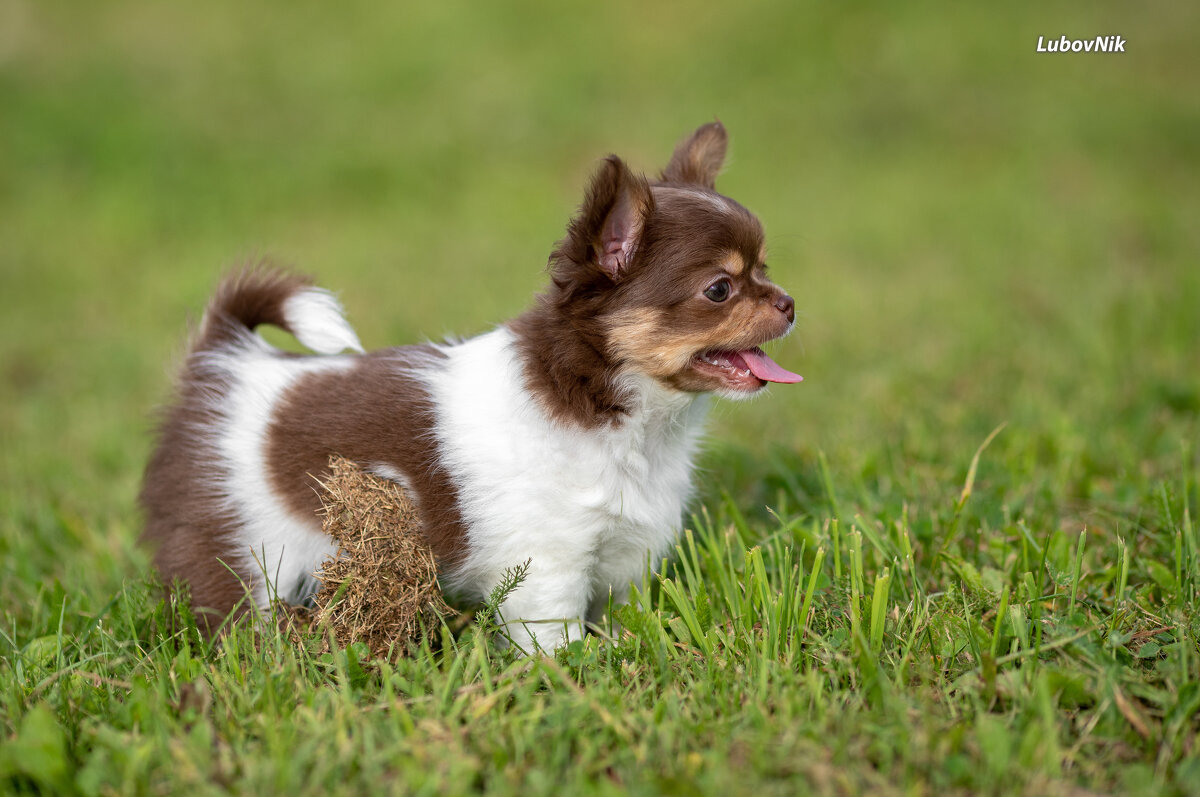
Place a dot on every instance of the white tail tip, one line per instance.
(316, 318)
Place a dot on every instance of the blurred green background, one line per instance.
(975, 233)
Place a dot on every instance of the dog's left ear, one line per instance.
(609, 227)
(699, 157)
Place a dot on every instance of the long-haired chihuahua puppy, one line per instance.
(564, 438)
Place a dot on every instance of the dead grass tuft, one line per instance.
(382, 587)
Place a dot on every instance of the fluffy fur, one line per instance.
(565, 437)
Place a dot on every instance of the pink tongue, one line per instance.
(767, 369)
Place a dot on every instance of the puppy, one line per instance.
(564, 437)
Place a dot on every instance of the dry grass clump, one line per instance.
(382, 587)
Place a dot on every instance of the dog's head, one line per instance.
(668, 277)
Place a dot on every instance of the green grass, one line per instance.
(871, 596)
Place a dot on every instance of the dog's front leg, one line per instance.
(546, 611)
(617, 569)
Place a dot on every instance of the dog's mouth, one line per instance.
(747, 370)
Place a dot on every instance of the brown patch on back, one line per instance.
(375, 413)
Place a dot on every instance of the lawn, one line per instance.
(962, 557)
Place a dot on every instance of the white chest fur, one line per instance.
(587, 508)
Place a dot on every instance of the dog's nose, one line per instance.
(785, 305)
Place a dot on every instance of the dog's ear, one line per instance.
(610, 224)
(699, 157)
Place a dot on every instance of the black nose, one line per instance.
(786, 306)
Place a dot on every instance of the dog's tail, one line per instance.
(261, 295)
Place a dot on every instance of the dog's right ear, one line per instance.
(699, 157)
(608, 230)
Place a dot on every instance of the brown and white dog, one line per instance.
(564, 437)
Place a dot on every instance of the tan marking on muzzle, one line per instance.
(636, 336)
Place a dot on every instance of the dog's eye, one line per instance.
(718, 291)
